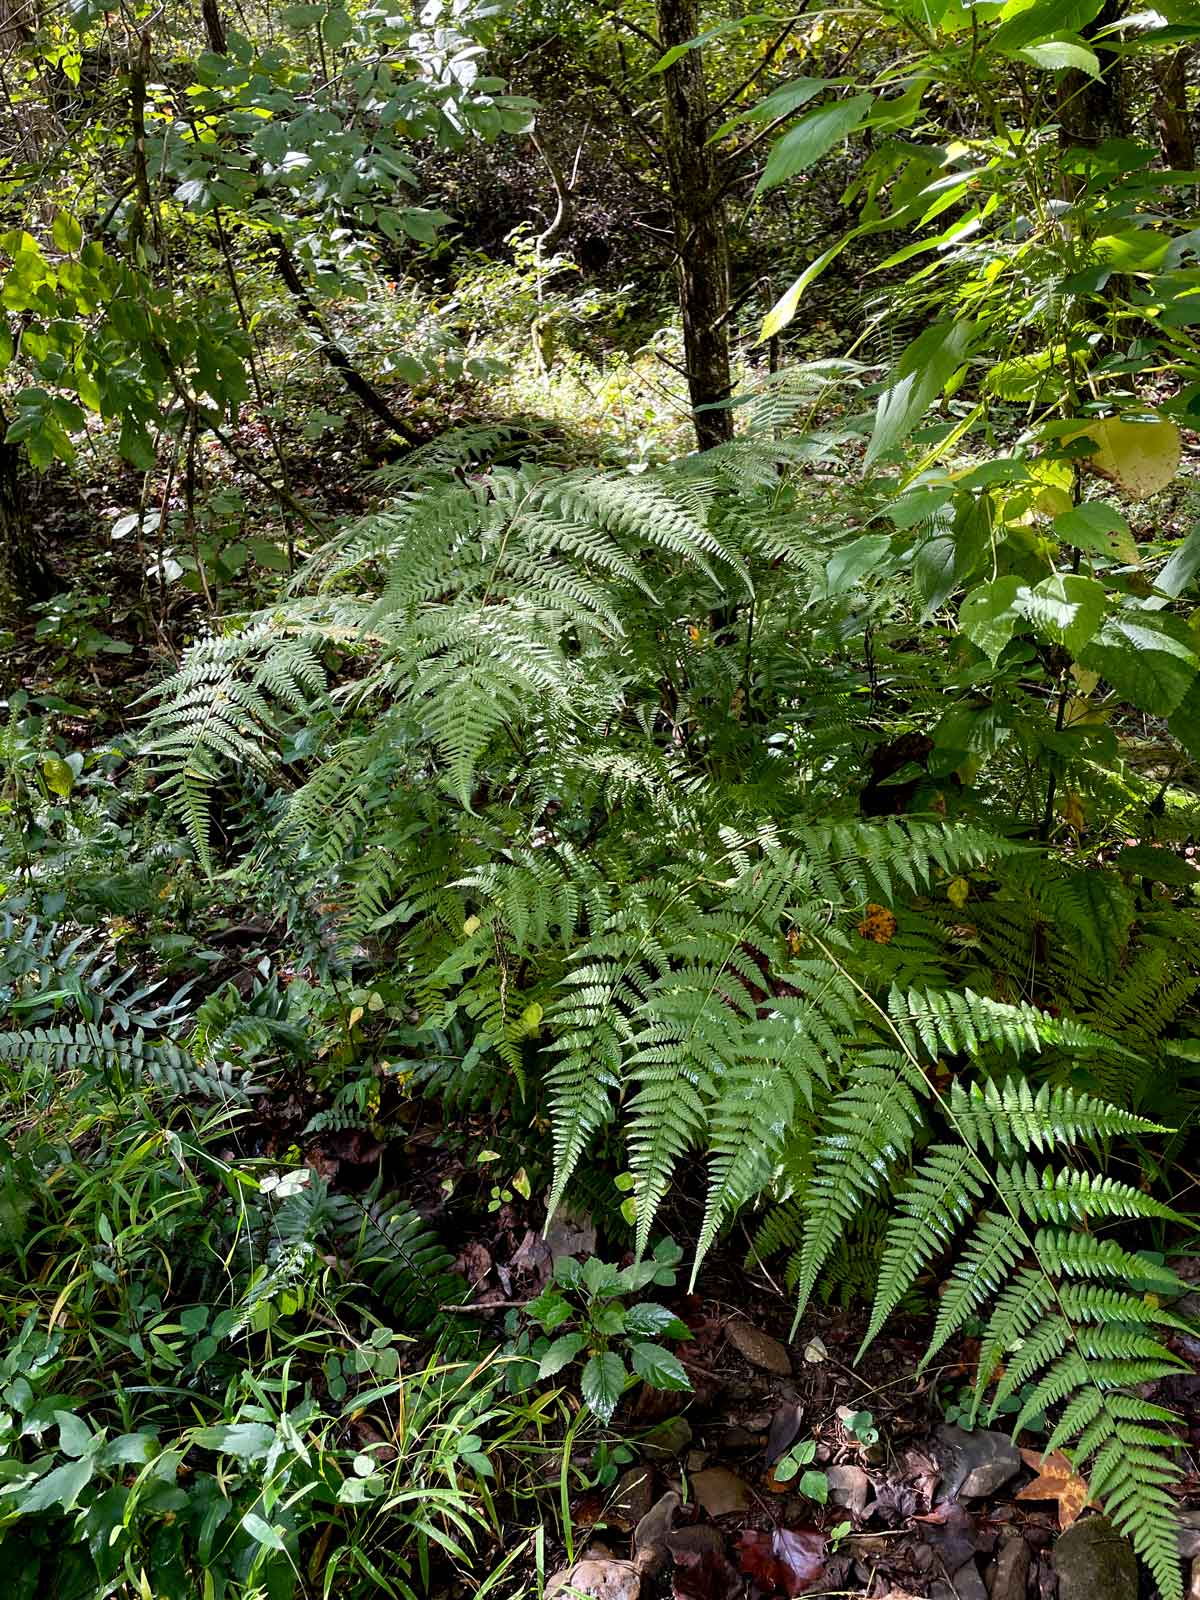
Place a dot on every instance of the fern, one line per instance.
(128, 1060)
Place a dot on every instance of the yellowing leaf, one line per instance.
(356, 1015)
(58, 775)
(958, 892)
(472, 925)
(1139, 457)
(1072, 810)
(521, 1183)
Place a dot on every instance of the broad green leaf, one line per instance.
(62, 1487)
(262, 1531)
(812, 137)
(550, 1309)
(658, 1367)
(1066, 608)
(920, 375)
(1145, 662)
(781, 102)
(1061, 55)
(649, 1319)
(561, 1353)
(849, 565)
(603, 1384)
(1024, 22)
(59, 778)
(784, 309)
(933, 570)
(988, 616)
(336, 27)
(1095, 526)
(248, 1441)
(74, 1435)
(1179, 570)
(66, 233)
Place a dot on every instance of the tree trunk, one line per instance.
(701, 242)
(1091, 110)
(1175, 131)
(24, 571)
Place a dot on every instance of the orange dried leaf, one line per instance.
(1056, 1480)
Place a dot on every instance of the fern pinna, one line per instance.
(613, 847)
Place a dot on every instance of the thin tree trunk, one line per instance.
(214, 28)
(24, 570)
(285, 263)
(1091, 110)
(1176, 134)
(701, 240)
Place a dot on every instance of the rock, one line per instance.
(849, 1487)
(633, 1497)
(975, 1464)
(784, 1430)
(1188, 1524)
(652, 1532)
(1012, 1569)
(696, 1461)
(570, 1233)
(599, 1580)
(967, 1583)
(720, 1491)
(1194, 1586)
(669, 1438)
(698, 1539)
(1093, 1562)
(759, 1348)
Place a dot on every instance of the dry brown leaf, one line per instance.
(1056, 1480)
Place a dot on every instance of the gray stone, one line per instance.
(1012, 1569)
(669, 1438)
(1194, 1586)
(652, 1532)
(968, 1585)
(849, 1487)
(759, 1348)
(976, 1463)
(1094, 1562)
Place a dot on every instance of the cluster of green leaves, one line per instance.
(581, 1308)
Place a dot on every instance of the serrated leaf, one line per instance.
(988, 616)
(1065, 608)
(603, 1383)
(1145, 663)
(658, 1367)
(561, 1353)
(1095, 526)
(648, 1318)
(550, 1309)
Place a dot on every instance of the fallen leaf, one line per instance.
(787, 1561)
(702, 1569)
(879, 925)
(815, 1351)
(1056, 1480)
(720, 1491)
(596, 1580)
